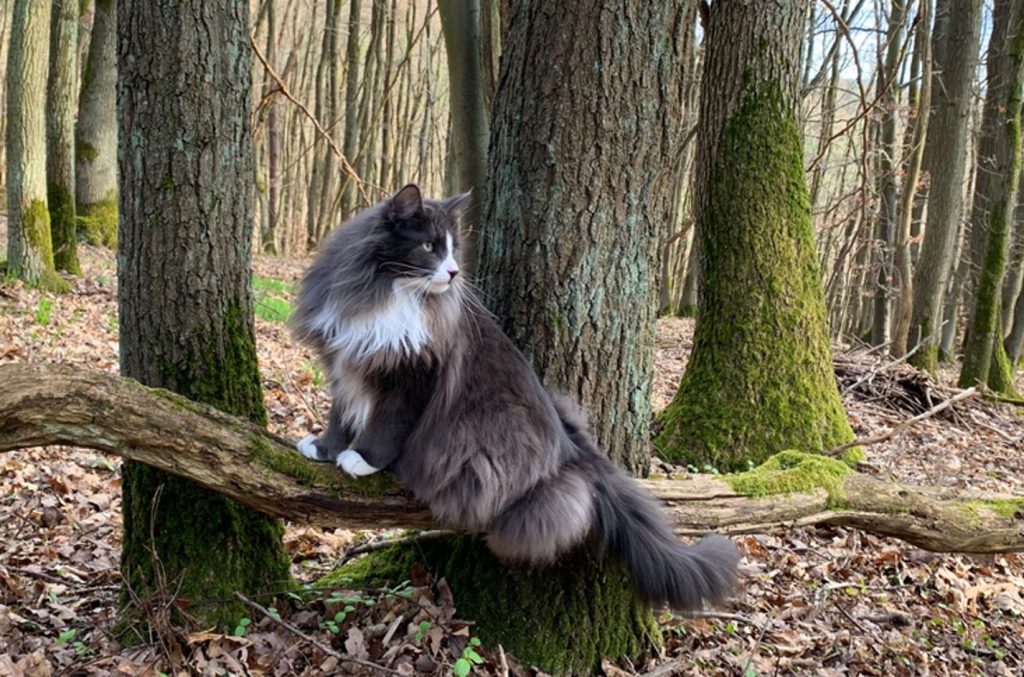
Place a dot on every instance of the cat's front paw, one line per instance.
(352, 462)
(307, 447)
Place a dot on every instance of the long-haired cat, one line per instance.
(424, 382)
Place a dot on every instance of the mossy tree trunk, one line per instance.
(580, 161)
(760, 376)
(61, 89)
(185, 299)
(985, 360)
(96, 133)
(29, 244)
(955, 57)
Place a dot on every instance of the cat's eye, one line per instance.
(428, 246)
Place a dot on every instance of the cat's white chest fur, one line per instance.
(397, 327)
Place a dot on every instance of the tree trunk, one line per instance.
(919, 99)
(461, 23)
(61, 88)
(96, 133)
(889, 100)
(65, 405)
(955, 58)
(580, 195)
(351, 137)
(983, 351)
(1013, 281)
(760, 378)
(569, 259)
(185, 300)
(269, 237)
(29, 243)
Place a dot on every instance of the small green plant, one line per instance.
(66, 636)
(44, 311)
(333, 625)
(464, 665)
(103, 463)
(422, 631)
(273, 309)
(112, 323)
(242, 626)
(272, 298)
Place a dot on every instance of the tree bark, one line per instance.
(184, 287)
(351, 136)
(984, 358)
(580, 159)
(955, 57)
(96, 133)
(29, 243)
(46, 405)
(61, 90)
(919, 99)
(889, 100)
(580, 188)
(759, 379)
(461, 23)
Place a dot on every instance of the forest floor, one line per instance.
(821, 601)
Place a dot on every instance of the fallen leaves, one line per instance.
(814, 601)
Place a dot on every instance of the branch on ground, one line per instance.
(42, 405)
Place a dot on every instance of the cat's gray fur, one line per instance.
(464, 422)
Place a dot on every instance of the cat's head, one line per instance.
(420, 245)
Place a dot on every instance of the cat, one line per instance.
(424, 383)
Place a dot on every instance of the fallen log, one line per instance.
(43, 405)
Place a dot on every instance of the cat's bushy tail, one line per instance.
(632, 525)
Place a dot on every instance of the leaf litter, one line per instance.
(822, 601)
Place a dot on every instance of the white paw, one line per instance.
(351, 461)
(307, 448)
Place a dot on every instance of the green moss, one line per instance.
(853, 456)
(203, 549)
(760, 377)
(1011, 508)
(97, 222)
(63, 228)
(194, 543)
(322, 475)
(790, 472)
(86, 151)
(220, 368)
(35, 265)
(563, 619)
(1001, 371)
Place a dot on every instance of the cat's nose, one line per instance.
(453, 273)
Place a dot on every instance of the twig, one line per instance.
(753, 650)
(312, 640)
(875, 439)
(373, 546)
(316, 123)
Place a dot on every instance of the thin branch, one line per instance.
(875, 439)
(360, 184)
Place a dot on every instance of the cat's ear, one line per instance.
(458, 205)
(406, 203)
